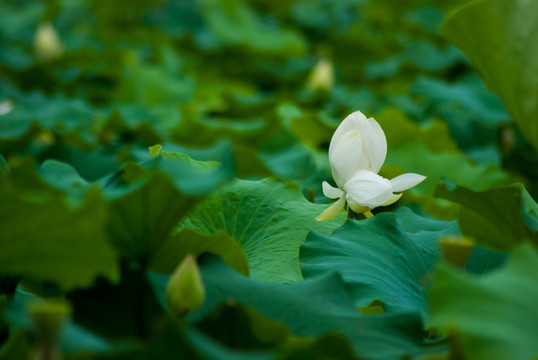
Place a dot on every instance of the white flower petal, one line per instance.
(375, 144)
(368, 189)
(346, 155)
(352, 122)
(332, 211)
(331, 192)
(406, 181)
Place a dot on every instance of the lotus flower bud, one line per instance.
(322, 76)
(357, 144)
(47, 43)
(185, 292)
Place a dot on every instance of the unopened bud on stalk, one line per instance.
(322, 76)
(185, 292)
(47, 43)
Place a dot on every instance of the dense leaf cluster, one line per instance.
(153, 129)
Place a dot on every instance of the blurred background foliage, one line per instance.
(236, 91)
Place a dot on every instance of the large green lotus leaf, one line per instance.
(251, 329)
(140, 215)
(92, 165)
(143, 216)
(169, 253)
(498, 218)
(45, 238)
(193, 177)
(251, 335)
(145, 202)
(498, 38)
(268, 219)
(247, 162)
(493, 317)
(281, 156)
(388, 257)
(313, 307)
(235, 23)
(161, 192)
(62, 176)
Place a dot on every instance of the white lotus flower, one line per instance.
(357, 151)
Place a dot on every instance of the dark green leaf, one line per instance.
(387, 258)
(313, 307)
(494, 218)
(493, 317)
(57, 242)
(507, 29)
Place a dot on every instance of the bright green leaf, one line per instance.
(268, 219)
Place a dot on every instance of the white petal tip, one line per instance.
(331, 192)
(406, 181)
